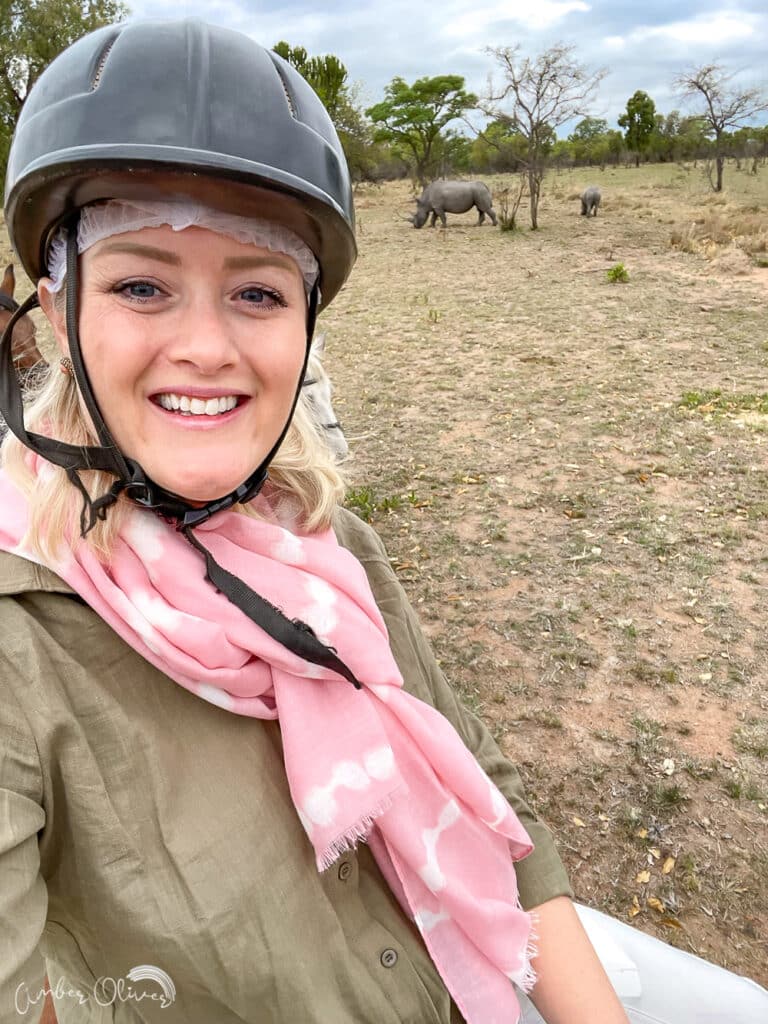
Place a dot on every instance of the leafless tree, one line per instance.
(538, 95)
(722, 105)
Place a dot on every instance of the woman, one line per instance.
(200, 701)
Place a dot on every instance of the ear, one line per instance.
(52, 304)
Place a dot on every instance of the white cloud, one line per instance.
(705, 30)
(477, 22)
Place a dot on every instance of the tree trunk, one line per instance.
(719, 162)
(533, 193)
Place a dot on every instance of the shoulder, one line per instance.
(20, 576)
(358, 537)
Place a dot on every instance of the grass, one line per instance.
(617, 274)
(716, 401)
(752, 738)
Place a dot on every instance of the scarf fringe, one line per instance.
(357, 833)
(531, 952)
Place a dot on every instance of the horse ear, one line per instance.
(8, 283)
(318, 344)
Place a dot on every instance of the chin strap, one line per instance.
(295, 635)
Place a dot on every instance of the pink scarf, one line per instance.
(376, 764)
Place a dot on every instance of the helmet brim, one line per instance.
(78, 177)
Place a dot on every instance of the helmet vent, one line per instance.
(100, 66)
(288, 97)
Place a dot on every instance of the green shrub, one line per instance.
(617, 274)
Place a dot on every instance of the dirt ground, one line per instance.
(581, 525)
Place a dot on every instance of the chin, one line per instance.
(197, 490)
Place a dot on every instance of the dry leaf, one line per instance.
(578, 823)
(670, 922)
(655, 904)
(643, 877)
(667, 866)
(655, 852)
(634, 910)
(642, 833)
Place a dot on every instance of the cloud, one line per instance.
(702, 31)
(644, 45)
(481, 21)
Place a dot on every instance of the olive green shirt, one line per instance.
(141, 825)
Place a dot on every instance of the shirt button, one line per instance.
(389, 958)
(345, 870)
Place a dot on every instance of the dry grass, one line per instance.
(584, 546)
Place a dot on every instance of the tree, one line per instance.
(327, 75)
(588, 139)
(639, 123)
(32, 33)
(412, 118)
(497, 149)
(722, 105)
(539, 94)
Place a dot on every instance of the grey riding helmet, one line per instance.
(179, 108)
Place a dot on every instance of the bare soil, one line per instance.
(586, 549)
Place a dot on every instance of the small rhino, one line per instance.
(590, 200)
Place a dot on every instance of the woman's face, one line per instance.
(194, 345)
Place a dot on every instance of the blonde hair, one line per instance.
(304, 487)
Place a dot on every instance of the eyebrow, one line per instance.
(147, 251)
(231, 263)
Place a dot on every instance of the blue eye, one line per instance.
(261, 298)
(139, 290)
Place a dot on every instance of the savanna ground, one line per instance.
(571, 478)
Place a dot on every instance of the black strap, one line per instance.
(295, 635)
(68, 456)
(8, 302)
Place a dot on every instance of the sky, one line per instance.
(643, 45)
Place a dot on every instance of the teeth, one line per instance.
(197, 406)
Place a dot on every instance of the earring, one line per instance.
(65, 365)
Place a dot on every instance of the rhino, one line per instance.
(590, 200)
(443, 197)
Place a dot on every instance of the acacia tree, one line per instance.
(538, 95)
(721, 104)
(412, 118)
(639, 123)
(32, 33)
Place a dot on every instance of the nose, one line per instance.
(203, 338)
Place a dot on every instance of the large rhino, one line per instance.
(590, 200)
(443, 197)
